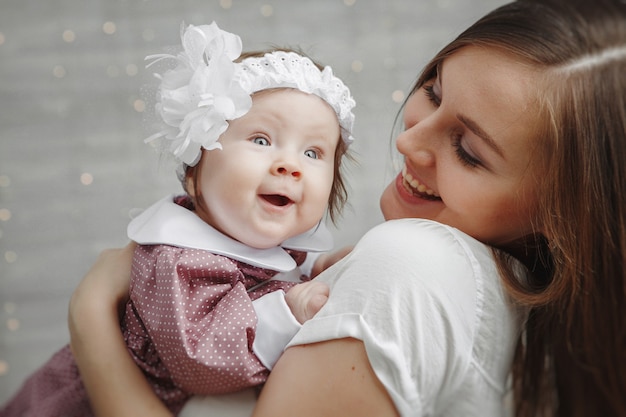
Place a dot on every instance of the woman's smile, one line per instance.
(416, 188)
(467, 147)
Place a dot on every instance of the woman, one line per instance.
(515, 135)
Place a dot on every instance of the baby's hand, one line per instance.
(306, 299)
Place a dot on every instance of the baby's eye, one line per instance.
(310, 153)
(261, 141)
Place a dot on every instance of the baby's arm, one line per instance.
(280, 315)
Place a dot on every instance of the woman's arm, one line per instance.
(334, 375)
(115, 384)
(326, 378)
(332, 378)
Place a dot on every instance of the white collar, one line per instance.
(165, 222)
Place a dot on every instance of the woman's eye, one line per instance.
(261, 141)
(310, 153)
(429, 90)
(465, 157)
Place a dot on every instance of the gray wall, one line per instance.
(72, 162)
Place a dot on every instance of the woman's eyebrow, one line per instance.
(478, 131)
(470, 124)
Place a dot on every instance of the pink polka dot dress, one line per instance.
(189, 323)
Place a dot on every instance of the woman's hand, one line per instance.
(106, 282)
(115, 385)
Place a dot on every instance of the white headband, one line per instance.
(206, 89)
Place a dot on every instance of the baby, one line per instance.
(215, 293)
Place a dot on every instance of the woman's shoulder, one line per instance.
(427, 259)
(459, 276)
(421, 229)
(426, 243)
(413, 259)
(426, 300)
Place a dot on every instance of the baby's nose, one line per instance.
(287, 168)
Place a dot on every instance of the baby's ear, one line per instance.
(189, 184)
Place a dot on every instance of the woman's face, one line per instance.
(467, 147)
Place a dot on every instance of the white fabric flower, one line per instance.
(198, 97)
(206, 89)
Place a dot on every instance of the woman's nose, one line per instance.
(418, 146)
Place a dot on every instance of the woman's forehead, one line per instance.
(496, 93)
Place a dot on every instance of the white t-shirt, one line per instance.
(427, 301)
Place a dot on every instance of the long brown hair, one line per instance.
(571, 358)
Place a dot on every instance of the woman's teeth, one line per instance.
(415, 187)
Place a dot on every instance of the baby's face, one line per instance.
(273, 176)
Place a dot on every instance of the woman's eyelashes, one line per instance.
(457, 139)
(429, 90)
(465, 157)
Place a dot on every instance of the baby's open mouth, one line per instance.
(277, 199)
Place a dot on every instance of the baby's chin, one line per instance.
(262, 241)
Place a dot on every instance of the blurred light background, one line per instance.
(73, 166)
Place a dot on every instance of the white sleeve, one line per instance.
(409, 291)
(276, 325)
(236, 404)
